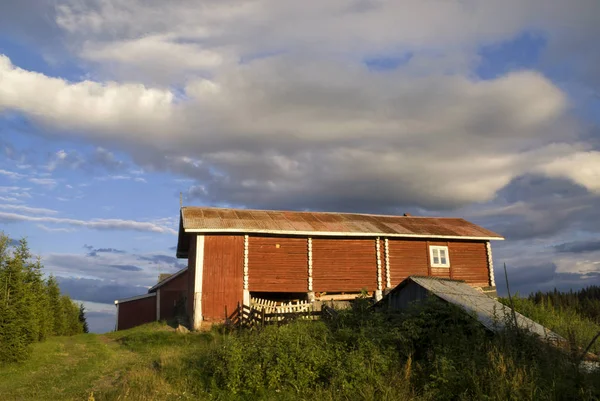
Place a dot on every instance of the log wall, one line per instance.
(277, 264)
(344, 265)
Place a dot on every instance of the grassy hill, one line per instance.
(430, 353)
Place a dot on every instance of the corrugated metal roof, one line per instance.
(203, 219)
(491, 313)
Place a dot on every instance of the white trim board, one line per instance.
(197, 294)
(333, 234)
(120, 301)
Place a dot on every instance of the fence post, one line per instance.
(262, 318)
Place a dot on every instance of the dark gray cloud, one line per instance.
(100, 291)
(30, 20)
(94, 252)
(537, 207)
(127, 268)
(578, 247)
(543, 277)
(162, 259)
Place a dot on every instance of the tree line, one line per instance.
(31, 306)
(586, 302)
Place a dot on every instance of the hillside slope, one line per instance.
(433, 352)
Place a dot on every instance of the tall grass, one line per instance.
(566, 322)
(430, 352)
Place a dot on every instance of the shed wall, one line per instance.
(344, 265)
(171, 293)
(403, 298)
(277, 264)
(137, 312)
(222, 284)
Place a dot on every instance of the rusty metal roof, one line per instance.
(219, 220)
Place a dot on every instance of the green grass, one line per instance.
(62, 368)
(434, 352)
(566, 322)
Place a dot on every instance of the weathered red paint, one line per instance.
(171, 293)
(344, 265)
(136, 312)
(278, 264)
(222, 282)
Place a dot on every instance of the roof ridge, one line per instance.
(323, 212)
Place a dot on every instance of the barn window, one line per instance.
(439, 256)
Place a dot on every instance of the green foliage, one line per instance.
(565, 321)
(82, 319)
(586, 302)
(433, 351)
(29, 306)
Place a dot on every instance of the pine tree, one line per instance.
(70, 313)
(14, 304)
(59, 323)
(82, 319)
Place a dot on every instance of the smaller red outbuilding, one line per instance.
(164, 301)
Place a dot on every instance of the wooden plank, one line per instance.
(222, 284)
(278, 264)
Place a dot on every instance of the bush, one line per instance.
(433, 351)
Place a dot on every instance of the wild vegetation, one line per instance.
(586, 302)
(430, 352)
(31, 307)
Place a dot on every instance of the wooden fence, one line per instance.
(262, 312)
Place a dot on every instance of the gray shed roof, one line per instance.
(488, 311)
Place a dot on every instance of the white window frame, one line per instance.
(439, 248)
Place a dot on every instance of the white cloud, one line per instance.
(304, 129)
(46, 182)
(581, 167)
(15, 192)
(95, 224)
(55, 230)
(26, 209)
(263, 110)
(11, 174)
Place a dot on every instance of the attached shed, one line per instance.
(235, 254)
(488, 311)
(135, 311)
(164, 301)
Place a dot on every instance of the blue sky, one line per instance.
(484, 110)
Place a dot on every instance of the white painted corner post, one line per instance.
(311, 294)
(388, 279)
(117, 322)
(379, 292)
(199, 273)
(488, 248)
(158, 304)
(246, 296)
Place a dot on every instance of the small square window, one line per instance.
(439, 256)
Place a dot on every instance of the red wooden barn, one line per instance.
(235, 254)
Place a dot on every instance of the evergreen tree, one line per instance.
(82, 319)
(14, 307)
(59, 323)
(70, 313)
